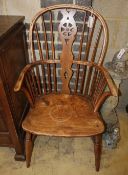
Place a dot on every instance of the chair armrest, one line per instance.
(20, 85)
(20, 80)
(113, 90)
(101, 100)
(25, 84)
(111, 84)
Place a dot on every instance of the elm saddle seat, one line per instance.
(65, 82)
(63, 115)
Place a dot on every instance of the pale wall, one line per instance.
(26, 8)
(114, 11)
(116, 14)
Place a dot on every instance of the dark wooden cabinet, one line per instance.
(13, 106)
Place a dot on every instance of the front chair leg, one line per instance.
(28, 148)
(97, 150)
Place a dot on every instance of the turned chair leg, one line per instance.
(28, 148)
(97, 150)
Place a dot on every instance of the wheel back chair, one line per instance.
(65, 82)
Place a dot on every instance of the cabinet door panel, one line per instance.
(3, 127)
(13, 62)
(5, 139)
(13, 56)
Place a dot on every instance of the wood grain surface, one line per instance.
(63, 115)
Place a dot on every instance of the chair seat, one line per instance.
(63, 115)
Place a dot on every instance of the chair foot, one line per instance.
(97, 150)
(28, 148)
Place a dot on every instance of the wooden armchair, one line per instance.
(65, 83)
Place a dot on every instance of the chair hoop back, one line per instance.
(72, 34)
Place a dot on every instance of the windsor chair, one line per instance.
(65, 82)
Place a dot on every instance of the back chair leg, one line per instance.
(28, 148)
(97, 150)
